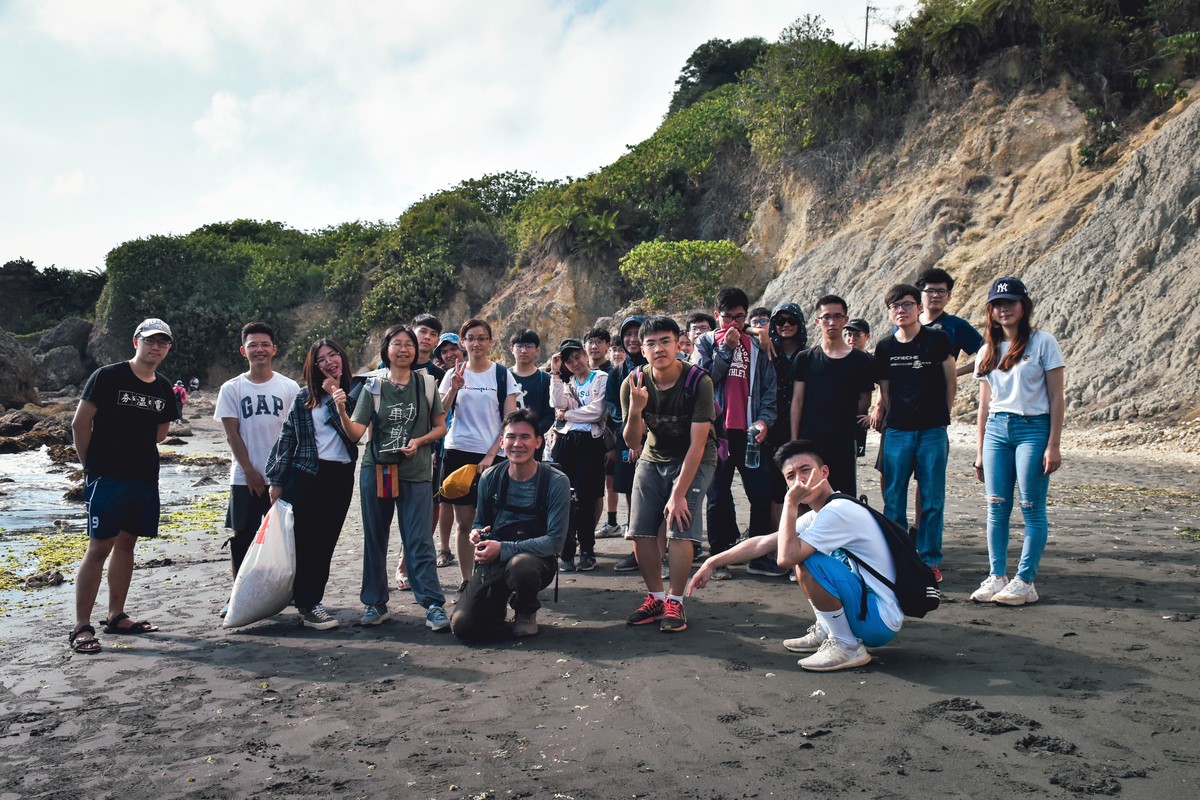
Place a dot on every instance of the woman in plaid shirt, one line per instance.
(312, 467)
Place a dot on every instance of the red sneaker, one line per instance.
(650, 610)
(673, 620)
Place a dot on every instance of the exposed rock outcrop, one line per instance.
(60, 367)
(18, 373)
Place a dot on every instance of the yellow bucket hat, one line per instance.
(458, 483)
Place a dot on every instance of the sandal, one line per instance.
(445, 558)
(134, 629)
(88, 646)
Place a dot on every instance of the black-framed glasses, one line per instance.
(827, 318)
(936, 292)
(906, 305)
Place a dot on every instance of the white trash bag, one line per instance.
(263, 586)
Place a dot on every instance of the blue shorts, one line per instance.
(118, 504)
(837, 579)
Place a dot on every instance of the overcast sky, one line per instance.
(128, 118)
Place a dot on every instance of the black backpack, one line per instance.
(916, 588)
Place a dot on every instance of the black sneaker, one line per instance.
(627, 564)
(586, 563)
(673, 618)
(765, 565)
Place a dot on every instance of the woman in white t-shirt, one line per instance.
(479, 392)
(1021, 406)
(577, 394)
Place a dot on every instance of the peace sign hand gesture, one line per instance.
(639, 393)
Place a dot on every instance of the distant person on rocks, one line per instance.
(857, 334)
(479, 392)
(526, 348)
(180, 396)
(669, 402)
(312, 467)
(746, 393)
(521, 518)
(194, 384)
(815, 543)
(577, 393)
(832, 384)
(403, 412)
(915, 370)
(252, 408)
(124, 411)
(1021, 408)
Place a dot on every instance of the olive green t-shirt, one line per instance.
(669, 415)
(404, 414)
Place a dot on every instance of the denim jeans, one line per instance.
(723, 530)
(1013, 448)
(925, 452)
(415, 520)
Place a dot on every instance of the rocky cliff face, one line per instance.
(991, 188)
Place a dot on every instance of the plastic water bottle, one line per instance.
(753, 449)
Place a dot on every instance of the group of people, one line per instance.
(661, 414)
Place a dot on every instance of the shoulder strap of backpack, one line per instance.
(501, 388)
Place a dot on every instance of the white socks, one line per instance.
(838, 626)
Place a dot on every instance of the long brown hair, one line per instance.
(312, 373)
(994, 335)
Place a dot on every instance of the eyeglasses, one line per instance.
(654, 344)
(156, 341)
(477, 339)
(907, 305)
(596, 342)
(828, 318)
(732, 317)
(517, 346)
(936, 292)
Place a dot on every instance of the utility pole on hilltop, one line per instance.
(867, 27)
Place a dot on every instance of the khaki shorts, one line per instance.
(652, 486)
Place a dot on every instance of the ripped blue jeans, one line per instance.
(1013, 448)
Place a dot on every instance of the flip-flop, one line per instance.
(445, 558)
(137, 628)
(86, 646)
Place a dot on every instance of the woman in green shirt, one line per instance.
(403, 412)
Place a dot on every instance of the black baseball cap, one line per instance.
(569, 344)
(858, 325)
(1007, 288)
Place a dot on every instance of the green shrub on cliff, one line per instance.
(681, 274)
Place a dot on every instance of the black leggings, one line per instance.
(320, 503)
(581, 457)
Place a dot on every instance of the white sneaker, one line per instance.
(625, 534)
(809, 642)
(608, 531)
(833, 655)
(1016, 593)
(988, 589)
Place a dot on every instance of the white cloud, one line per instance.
(222, 125)
(129, 29)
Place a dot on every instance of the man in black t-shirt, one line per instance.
(915, 370)
(124, 412)
(832, 388)
(427, 328)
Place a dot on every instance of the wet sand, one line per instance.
(1093, 691)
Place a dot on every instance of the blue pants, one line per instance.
(925, 452)
(414, 510)
(1013, 448)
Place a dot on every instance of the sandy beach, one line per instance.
(1095, 690)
